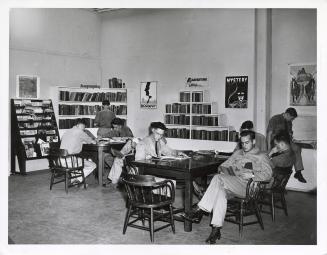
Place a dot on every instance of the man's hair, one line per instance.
(291, 111)
(247, 124)
(105, 102)
(118, 121)
(248, 132)
(80, 121)
(159, 125)
(282, 137)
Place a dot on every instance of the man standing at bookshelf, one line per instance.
(103, 119)
(73, 140)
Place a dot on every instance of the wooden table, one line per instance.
(186, 170)
(99, 149)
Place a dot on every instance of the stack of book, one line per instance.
(89, 109)
(116, 83)
(92, 97)
(205, 120)
(177, 119)
(201, 108)
(69, 123)
(178, 133)
(214, 135)
(233, 136)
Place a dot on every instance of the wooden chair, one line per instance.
(65, 167)
(273, 194)
(238, 208)
(147, 200)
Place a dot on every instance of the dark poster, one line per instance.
(236, 92)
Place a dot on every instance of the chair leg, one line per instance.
(66, 182)
(272, 198)
(240, 224)
(151, 226)
(172, 219)
(258, 214)
(83, 178)
(127, 218)
(284, 203)
(52, 180)
(142, 217)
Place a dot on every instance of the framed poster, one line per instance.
(149, 94)
(236, 92)
(302, 84)
(27, 86)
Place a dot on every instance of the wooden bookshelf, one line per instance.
(196, 117)
(33, 129)
(75, 102)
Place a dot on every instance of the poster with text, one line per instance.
(196, 82)
(236, 92)
(303, 84)
(149, 94)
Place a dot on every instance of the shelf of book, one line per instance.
(33, 128)
(196, 117)
(76, 102)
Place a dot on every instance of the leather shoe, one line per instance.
(298, 175)
(214, 235)
(195, 216)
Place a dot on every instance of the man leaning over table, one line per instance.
(245, 163)
(73, 140)
(155, 145)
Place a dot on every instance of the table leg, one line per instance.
(100, 165)
(188, 203)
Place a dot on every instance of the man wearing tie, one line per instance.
(154, 145)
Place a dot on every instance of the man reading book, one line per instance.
(231, 180)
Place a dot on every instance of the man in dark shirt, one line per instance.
(283, 123)
(103, 119)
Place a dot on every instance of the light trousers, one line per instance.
(215, 197)
(89, 166)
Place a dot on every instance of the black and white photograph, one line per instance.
(197, 133)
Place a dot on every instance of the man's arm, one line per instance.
(264, 172)
(269, 134)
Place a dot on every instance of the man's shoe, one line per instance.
(106, 183)
(195, 216)
(214, 235)
(197, 190)
(298, 175)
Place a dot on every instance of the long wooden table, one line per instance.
(186, 170)
(99, 149)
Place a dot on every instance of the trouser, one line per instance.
(89, 166)
(298, 164)
(215, 197)
(118, 163)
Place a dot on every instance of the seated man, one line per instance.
(260, 139)
(155, 145)
(119, 130)
(283, 123)
(118, 163)
(232, 179)
(73, 140)
(282, 155)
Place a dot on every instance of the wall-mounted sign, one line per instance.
(196, 82)
(27, 86)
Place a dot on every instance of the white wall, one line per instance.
(169, 45)
(62, 46)
(294, 40)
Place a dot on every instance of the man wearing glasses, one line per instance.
(154, 145)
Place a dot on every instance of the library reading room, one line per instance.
(186, 126)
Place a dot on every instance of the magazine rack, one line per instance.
(33, 128)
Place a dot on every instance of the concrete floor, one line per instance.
(95, 216)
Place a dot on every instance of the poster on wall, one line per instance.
(27, 86)
(302, 84)
(236, 92)
(149, 94)
(196, 82)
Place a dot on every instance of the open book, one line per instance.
(174, 157)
